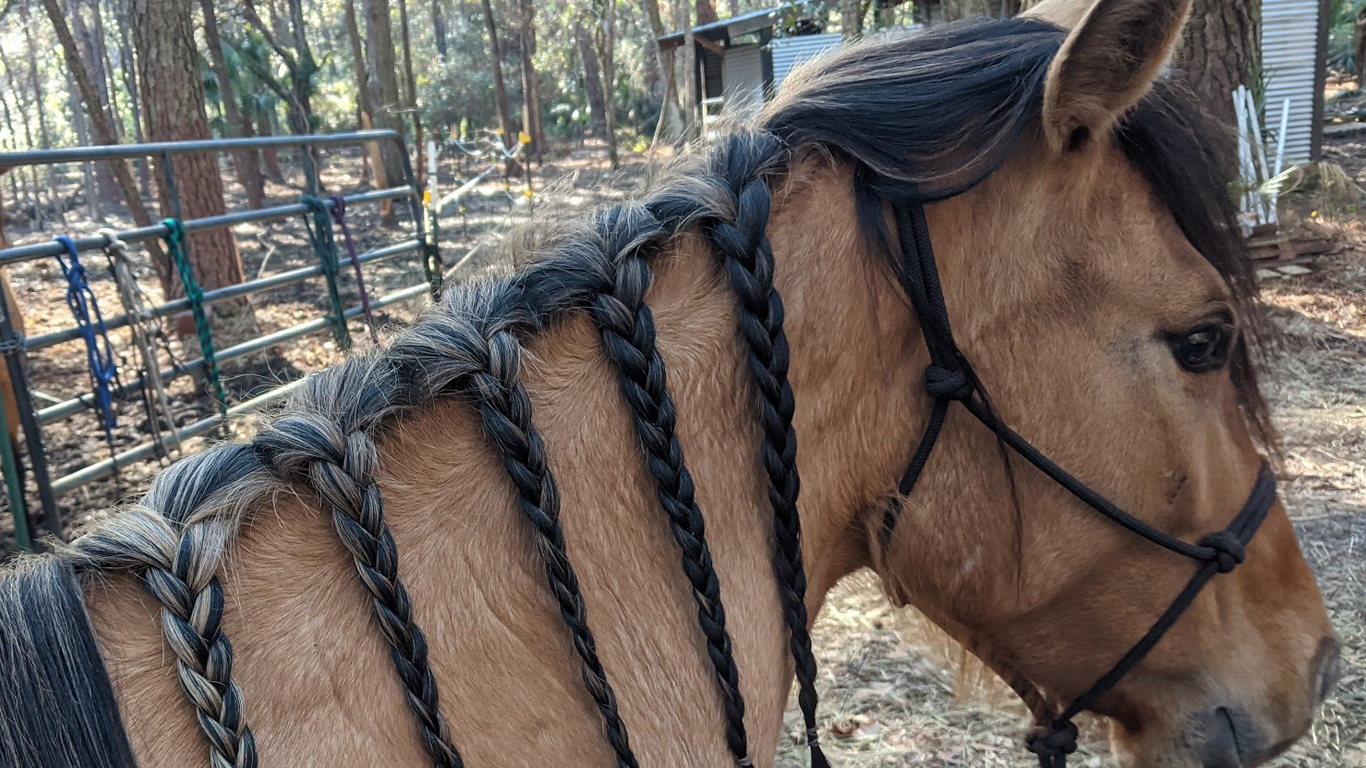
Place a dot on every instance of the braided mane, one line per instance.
(922, 118)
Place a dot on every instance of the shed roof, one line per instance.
(733, 27)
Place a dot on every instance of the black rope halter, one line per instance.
(950, 377)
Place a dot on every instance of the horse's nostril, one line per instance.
(1327, 667)
(1221, 742)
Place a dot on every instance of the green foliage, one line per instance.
(1341, 34)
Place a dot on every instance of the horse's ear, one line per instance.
(1107, 64)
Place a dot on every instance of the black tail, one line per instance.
(57, 707)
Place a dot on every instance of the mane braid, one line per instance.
(744, 161)
(339, 466)
(177, 554)
(505, 410)
(628, 340)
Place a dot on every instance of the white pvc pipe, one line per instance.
(1255, 131)
(1244, 154)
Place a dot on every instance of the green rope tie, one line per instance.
(175, 245)
(325, 248)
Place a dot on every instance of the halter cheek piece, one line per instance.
(950, 378)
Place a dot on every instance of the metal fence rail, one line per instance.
(15, 348)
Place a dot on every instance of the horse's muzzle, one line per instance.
(1232, 737)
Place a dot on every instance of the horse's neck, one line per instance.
(309, 657)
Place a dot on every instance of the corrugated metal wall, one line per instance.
(1289, 43)
(788, 52)
(743, 77)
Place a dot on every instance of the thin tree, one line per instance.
(103, 129)
(382, 66)
(105, 187)
(706, 12)
(364, 109)
(439, 30)
(500, 93)
(299, 63)
(605, 41)
(246, 162)
(130, 83)
(531, 91)
(592, 81)
(173, 97)
(40, 99)
(670, 125)
(411, 92)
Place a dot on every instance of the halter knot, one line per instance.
(1053, 742)
(1229, 551)
(943, 383)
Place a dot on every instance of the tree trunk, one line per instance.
(366, 110)
(439, 29)
(173, 97)
(130, 84)
(383, 75)
(20, 106)
(692, 107)
(40, 102)
(606, 39)
(531, 91)
(246, 162)
(411, 105)
(706, 12)
(1221, 50)
(270, 158)
(73, 103)
(104, 134)
(592, 82)
(105, 188)
(1359, 46)
(851, 19)
(500, 92)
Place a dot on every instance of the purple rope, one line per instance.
(339, 216)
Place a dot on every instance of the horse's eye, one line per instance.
(1204, 348)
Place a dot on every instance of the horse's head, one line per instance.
(1094, 281)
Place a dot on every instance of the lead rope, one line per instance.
(175, 246)
(135, 308)
(325, 248)
(99, 353)
(950, 377)
(339, 217)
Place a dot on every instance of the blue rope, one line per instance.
(99, 352)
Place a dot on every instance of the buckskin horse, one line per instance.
(515, 479)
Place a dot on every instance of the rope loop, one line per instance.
(175, 245)
(339, 218)
(99, 352)
(144, 327)
(947, 384)
(1227, 550)
(1054, 742)
(325, 248)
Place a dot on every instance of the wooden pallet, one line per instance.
(1271, 245)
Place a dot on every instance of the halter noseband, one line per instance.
(950, 377)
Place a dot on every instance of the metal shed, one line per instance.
(1293, 34)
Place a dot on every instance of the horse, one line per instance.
(987, 274)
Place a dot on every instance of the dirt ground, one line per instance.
(894, 691)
